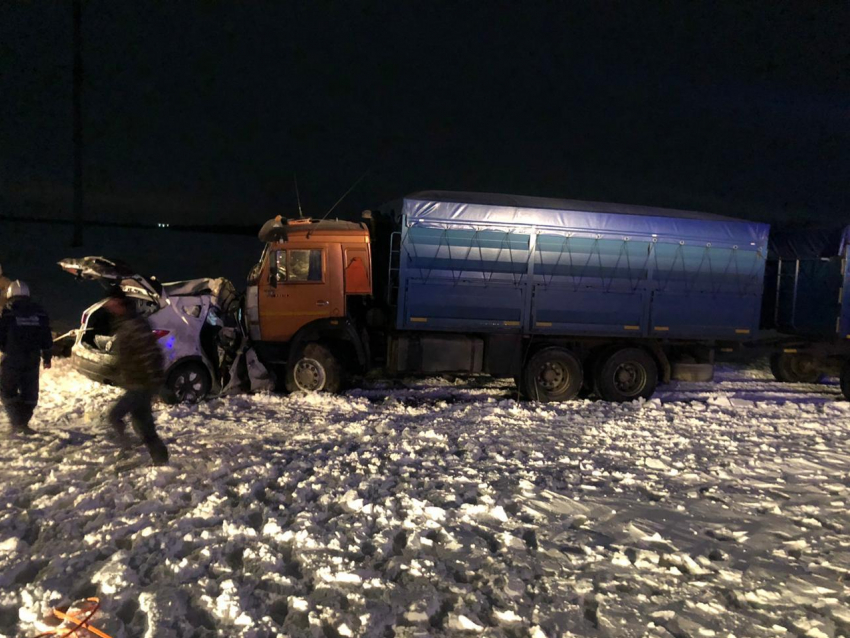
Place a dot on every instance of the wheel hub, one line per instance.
(309, 375)
(802, 366)
(188, 386)
(552, 375)
(630, 378)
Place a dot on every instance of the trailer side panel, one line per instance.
(578, 270)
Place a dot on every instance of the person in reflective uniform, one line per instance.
(25, 341)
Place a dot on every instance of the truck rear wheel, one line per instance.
(626, 375)
(316, 369)
(794, 368)
(845, 380)
(552, 374)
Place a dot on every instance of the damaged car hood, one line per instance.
(110, 272)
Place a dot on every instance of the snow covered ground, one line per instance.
(438, 508)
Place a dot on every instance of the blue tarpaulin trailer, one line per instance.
(807, 300)
(567, 297)
(499, 263)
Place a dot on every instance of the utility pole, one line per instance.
(78, 123)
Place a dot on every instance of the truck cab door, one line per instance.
(299, 283)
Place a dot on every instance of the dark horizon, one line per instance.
(201, 114)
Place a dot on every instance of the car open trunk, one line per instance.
(93, 352)
(98, 325)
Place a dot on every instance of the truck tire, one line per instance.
(591, 369)
(187, 383)
(316, 369)
(845, 380)
(794, 368)
(552, 374)
(626, 375)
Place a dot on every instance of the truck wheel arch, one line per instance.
(329, 331)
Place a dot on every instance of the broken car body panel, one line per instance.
(187, 315)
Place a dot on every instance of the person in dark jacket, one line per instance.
(25, 341)
(140, 372)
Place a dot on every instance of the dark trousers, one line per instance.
(19, 391)
(136, 403)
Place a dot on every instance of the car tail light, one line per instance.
(159, 334)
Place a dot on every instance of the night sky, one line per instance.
(200, 112)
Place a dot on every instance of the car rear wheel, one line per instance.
(626, 375)
(552, 374)
(316, 369)
(188, 383)
(794, 368)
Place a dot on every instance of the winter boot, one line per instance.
(158, 451)
(19, 416)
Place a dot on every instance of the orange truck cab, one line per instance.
(313, 278)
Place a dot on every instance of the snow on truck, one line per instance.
(564, 296)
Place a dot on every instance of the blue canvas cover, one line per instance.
(809, 286)
(491, 210)
(474, 261)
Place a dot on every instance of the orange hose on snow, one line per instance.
(81, 623)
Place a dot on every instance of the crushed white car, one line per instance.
(194, 321)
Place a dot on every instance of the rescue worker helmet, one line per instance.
(17, 289)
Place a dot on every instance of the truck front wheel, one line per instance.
(552, 374)
(315, 369)
(626, 375)
(794, 368)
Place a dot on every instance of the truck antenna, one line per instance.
(298, 196)
(360, 179)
